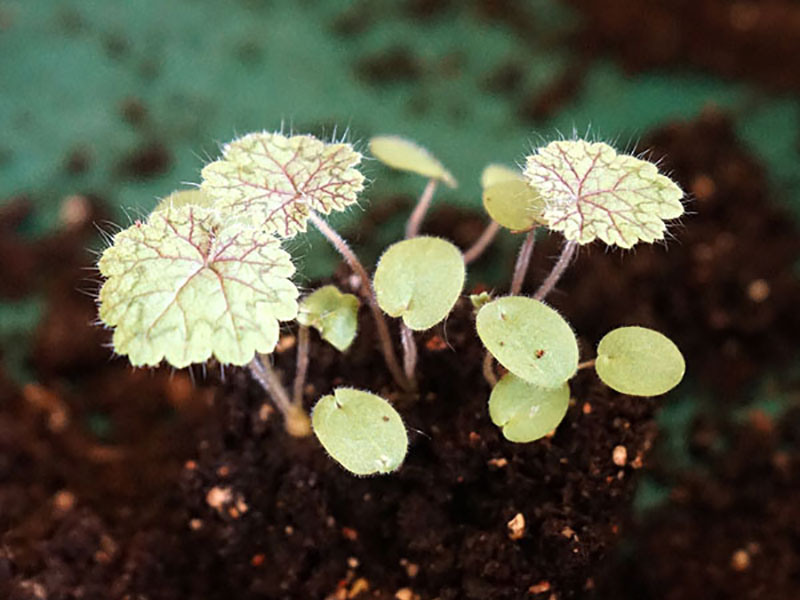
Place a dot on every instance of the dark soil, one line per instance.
(136, 484)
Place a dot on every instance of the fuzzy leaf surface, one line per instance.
(639, 361)
(178, 198)
(403, 154)
(526, 412)
(275, 181)
(419, 280)
(361, 431)
(332, 313)
(592, 192)
(529, 339)
(185, 287)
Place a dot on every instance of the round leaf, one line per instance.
(639, 361)
(361, 431)
(496, 173)
(275, 181)
(513, 204)
(527, 412)
(404, 155)
(419, 280)
(591, 192)
(529, 339)
(333, 314)
(186, 287)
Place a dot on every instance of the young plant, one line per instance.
(205, 276)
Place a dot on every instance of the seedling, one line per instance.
(205, 277)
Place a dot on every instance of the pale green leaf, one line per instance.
(333, 314)
(185, 286)
(419, 280)
(529, 339)
(497, 173)
(639, 361)
(524, 411)
(591, 192)
(513, 204)
(178, 198)
(478, 300)
(404, 155)
(361, 431)
(275, 181)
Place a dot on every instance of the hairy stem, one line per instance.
(567, 252)
(523, 260)
(486, 238)
(418, 215)
(488, 369)
(409, 353)
(302, 365)
(587, 364)
(380, 322)
(295, 418)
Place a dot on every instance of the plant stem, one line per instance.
(302, 365)
(587, 364)
(488, 369)
(380, 323)
(487, 237)
(567, 252)
(409, 353)
(418, 214)
(295, 418)
(523, 260)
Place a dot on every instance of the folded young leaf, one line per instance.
(524, 411)
(529, 339)
(333, 314)
(361, 431)
(404, 155)
(419, 280)
(275, 181)
(592, 192)
(185, 287)
(639, 361)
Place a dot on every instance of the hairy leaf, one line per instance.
(186, 287)
(404, 155)
(361, 431)
(419, 280)
(526, 412)
(529, 339)
(178, 198)
(275, 181)
(639, 361)
(333, 314)
(592, 192)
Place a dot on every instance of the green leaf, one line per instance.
(529, 339)
(361, 431)
(185, 286)
(592, 192)
(419, 280)
(404, 155)
(276, 181)
(478, 300)
(497, 173)
(639, 361)
(513, 204)
(333, 314)
(527, 412)
(178, 198)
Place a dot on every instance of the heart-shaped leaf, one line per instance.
(526, 412)
(185, 286)
(419, 280)
(591, 192)
(333, 314)
(404, 155)
(639, 361)
(275, 181)
(529, 339)
(361, 431)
